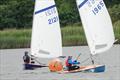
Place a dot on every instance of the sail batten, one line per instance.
(82, 3)
(97, 25)
(107, 47)
(42, 10)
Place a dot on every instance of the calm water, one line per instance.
(11, 65)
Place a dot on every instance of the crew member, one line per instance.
(71, 65)
(26, 58)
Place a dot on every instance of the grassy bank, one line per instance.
(72, 36)
(15, 38)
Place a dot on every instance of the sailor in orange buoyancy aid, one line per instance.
(71, 65)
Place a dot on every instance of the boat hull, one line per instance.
(32, 66)
(90, 68)
(96, 69)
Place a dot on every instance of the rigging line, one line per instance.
(85, 60)
(78, 56)
(32, 56)
(91, 58)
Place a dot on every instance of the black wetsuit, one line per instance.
(26, 59)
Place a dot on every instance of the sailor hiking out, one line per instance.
(71, 65)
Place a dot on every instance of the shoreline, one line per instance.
(62, 47)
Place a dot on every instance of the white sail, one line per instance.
(97, 25)
(46, 35)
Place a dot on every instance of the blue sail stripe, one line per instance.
(82, 3)
(42, 10)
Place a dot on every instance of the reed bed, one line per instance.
(15, 38)
(71, 36)
(117, 31)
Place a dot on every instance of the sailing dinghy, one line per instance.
(46, 35)
(98, 30)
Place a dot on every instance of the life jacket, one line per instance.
(67, 64)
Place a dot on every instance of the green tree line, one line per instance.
(19, 13)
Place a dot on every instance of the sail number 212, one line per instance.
(53, 20)
(50, 12)
(98, 8)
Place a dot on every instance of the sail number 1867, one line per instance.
(98, 8)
